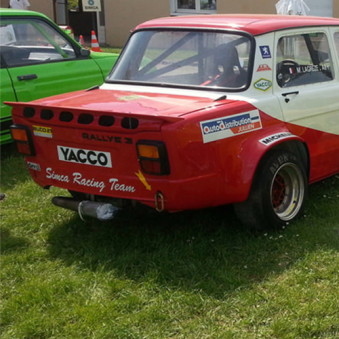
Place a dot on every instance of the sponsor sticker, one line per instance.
(275, 137)
(230, 126)
(263, 68)
(33, 166)
(265, 52)
(263, 84)
(41, 131)
(84, 156)
(113, 184)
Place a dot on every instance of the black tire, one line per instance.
(278, 192)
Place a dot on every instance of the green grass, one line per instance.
(108, 49)
(187, 275)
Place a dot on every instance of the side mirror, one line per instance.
(85, 52)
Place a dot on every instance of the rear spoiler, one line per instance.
(17, 105)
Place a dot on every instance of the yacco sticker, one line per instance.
(77, 178)
(275, 137)
(84, 156)
(41, 131)
(230, 126)
(265, 52)
(263, 68)
(263, 84)
(33, 166)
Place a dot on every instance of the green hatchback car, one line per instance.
(38, 59)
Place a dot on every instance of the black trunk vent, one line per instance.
(106, 120)
(85, 119)
(46, 114)
(29, 112)
(129, 123)
(66, 116)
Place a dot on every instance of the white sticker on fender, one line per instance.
(230, 126)
(84, 156)
(275, 137)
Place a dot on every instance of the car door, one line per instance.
(7, 94)
(42, 60)
(307, 88)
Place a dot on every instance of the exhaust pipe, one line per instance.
(99, 210)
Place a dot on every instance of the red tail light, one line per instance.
(23, 139)
(153, 157)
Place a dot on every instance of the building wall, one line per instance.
(4, 3)
(45, 7)
(335, 9)
(247, 6)
(123, 15)
(120, 21)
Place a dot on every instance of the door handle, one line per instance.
(289, 93)
(27, 77)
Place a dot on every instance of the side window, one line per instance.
(31, 41)
(336, 42)
(303, 59)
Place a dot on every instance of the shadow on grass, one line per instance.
(206, 250)
(11, 243)
(13, 167)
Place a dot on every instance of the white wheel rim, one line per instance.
(287, 191)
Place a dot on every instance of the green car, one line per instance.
(39, 59)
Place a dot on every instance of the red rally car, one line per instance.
(198, 111)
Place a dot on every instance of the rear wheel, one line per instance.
(278, 192)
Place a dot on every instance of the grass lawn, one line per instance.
(187, 275)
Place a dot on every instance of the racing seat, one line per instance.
(231, 73)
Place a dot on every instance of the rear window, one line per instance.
(185, 58)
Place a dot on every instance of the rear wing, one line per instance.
(67, 113)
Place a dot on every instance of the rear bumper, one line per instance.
(189, 193)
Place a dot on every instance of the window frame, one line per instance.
(179, 11)
(41, 25)
(242, 88)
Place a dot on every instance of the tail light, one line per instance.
(153, 157)
(23, 139)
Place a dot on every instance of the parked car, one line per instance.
(39, 59)
(198, 111)
(68, 30)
